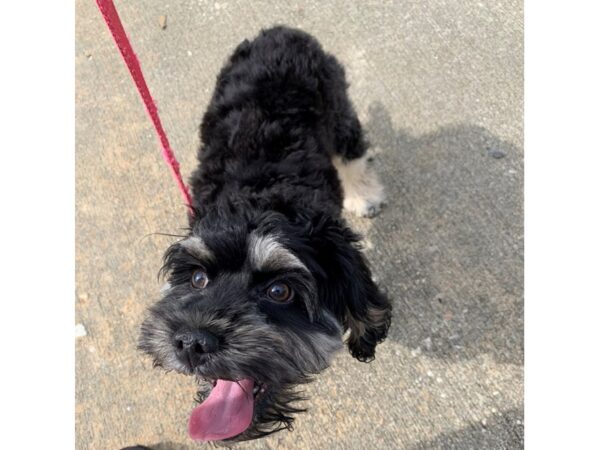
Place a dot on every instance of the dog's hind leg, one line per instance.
(363, 192)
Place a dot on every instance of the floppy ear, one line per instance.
(351, 293)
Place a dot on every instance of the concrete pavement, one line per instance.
(438, 85)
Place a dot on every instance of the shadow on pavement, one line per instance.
(502, 431)
(449, 245)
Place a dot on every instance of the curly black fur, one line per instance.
(278, 115)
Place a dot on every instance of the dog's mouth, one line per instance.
(227, 411)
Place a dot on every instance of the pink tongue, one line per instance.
(226, 412)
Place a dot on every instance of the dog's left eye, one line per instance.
(280, 292)
(199, 279)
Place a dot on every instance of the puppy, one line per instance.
(270, 277)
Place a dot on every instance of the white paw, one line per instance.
(363, 192)
(366, 204)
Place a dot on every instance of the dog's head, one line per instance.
(255, 306)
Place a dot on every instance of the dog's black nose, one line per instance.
(192, 344)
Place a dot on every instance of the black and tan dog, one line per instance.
(270, 276)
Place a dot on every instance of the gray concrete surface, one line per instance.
(438, 85)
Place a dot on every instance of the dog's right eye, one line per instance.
(199, 279)
(280, 292)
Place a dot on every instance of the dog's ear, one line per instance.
(350, 292)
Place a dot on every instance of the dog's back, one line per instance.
(282, 73)
(272, 126)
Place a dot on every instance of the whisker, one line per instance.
(181, 236)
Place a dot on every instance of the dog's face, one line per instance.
(253, 308)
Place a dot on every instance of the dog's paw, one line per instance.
(373, 209)
(366, 201)
(363, 192)
(363, 207)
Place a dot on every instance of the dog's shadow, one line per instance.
(493, 435)
(449, 246)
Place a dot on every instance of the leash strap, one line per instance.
(111, 17)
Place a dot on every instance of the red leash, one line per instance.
(111, 17)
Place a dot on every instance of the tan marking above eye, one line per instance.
(196, 247)
(266, 253)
